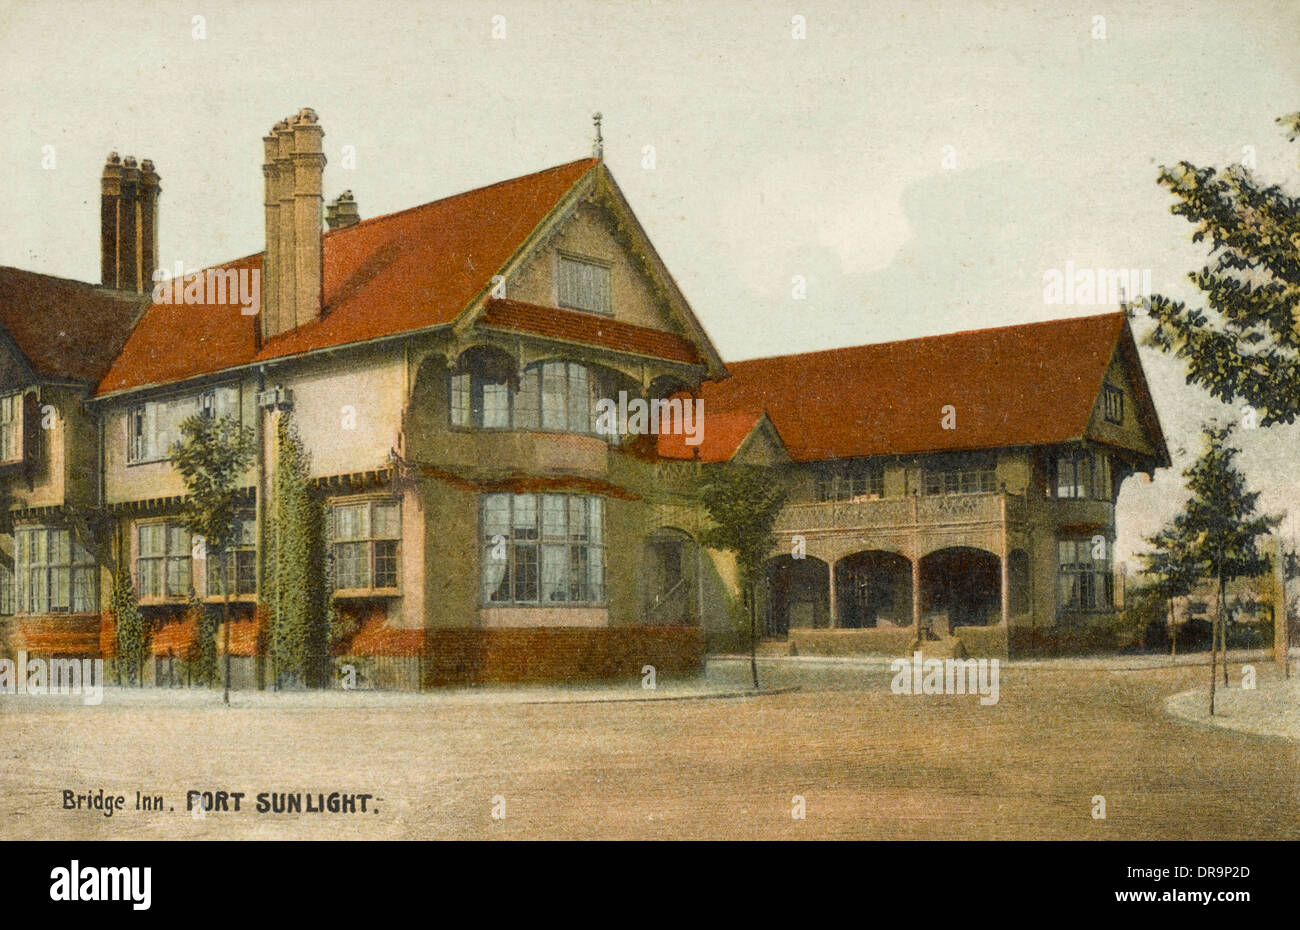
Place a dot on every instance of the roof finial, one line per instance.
(598, 147)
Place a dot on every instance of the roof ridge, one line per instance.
(329, 233)
(948, 335)
(473, 190)
(56, 277)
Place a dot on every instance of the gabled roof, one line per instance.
(1033, 384)
(384, 276)
(65, 329)
(588, 328)
(723, 435)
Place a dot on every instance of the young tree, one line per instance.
(1172, 570)
(212, 456)
(296, 572)
(743, 501)
(1220, 528)
(1248, 347)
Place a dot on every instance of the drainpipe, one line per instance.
(259, 506)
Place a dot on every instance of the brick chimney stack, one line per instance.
(343, 212)
(293, 168)
(308, 169)
(128, 224)
(150, 188)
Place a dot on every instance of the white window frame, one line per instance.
(50, 584)
(1083, 584)
(243, 549)
(534, 558)
(970, 478)
(174, 560)
(369, 543)
(147, 442)
(11, 427)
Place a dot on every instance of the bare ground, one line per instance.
(869, 764)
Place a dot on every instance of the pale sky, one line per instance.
(773, 156)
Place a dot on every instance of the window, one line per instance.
(1083, 476)
(364, 544)
(11, 427)
(162, 563)
(241, 571)
(55, 573)
(6, 587)
(542, 549)
(555, 395)
(1084, 580)
(846, 483)
(961, 479)
(583, 285)
(153, 426)
(1113, 399)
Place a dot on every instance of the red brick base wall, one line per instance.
(558, 654)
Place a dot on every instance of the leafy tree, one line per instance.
(212, 456)
(1219, 528)
(744, 501)
(129, 626)
(299, 608)
(1172, 570)
(1248, 346)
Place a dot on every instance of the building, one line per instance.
(449, 369)
(962, 484)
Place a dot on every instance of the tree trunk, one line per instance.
(753, 633)
(1173, 630)
(1223, 630)
(1214, 672)
(225, 636)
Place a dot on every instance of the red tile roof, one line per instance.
(1016, 385)
(391, 274)
(576, 326)
(64, 328)
(723, 434)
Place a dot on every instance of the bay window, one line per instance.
(1084, 580)
(1083, 476)
(554, 395)
(55, 573)
(542, 549)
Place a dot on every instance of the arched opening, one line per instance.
(960, 586)
(797, 595)
(481, 387)
(873, 588)
(669, 572)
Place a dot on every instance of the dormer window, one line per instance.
(583, 284)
